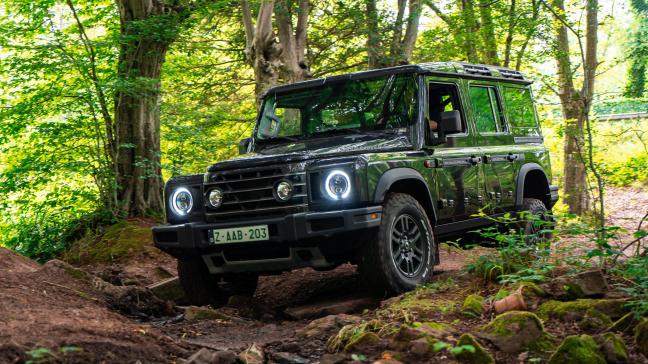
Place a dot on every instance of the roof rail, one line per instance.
(508, 73)
(477, 70)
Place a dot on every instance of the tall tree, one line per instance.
(276, 54)
(576, 103)
(636, 86)
(404, 31)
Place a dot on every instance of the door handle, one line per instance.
(511, 157)
(475, 160)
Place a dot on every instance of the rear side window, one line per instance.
(520, 107)
(487, 109)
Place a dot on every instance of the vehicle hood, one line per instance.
(318, 148)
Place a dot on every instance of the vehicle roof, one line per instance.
(451, 69)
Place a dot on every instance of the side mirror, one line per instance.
(450, 122)
(243, 145)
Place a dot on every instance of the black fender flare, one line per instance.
(399, 174)
(521, 177)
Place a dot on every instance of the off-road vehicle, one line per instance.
(372, 168)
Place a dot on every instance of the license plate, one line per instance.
(240, 234)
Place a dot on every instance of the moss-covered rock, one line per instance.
(529, 289)
(584, 284)
(431, 331)
(594, 320)
(612, 347)
(478, 356)
(361, 342)
(641, 336)
(196, 313)
(576, 310)
(515, 331)
(473, 305)
(577, 350)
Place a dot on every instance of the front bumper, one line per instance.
(191, 239)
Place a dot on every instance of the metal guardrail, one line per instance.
(624, 116)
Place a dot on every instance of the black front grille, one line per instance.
(248, 192)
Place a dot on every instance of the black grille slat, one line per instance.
(248, 192)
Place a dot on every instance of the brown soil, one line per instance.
(41, 307)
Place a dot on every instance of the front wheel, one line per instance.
(401, 254)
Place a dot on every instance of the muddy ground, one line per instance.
(47, 313)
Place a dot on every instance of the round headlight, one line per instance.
(338, 185)
(284, 190)
(181, 201)
(215, 198)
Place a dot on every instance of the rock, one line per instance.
(641, 336)
(473, 305)
(428, 330)
(362, 342)
(529, 289)
(333, 359)
(514, 331)
(613, 348)
(195, 313)
(321, 309)
(577, 350)
(291, 347)
(168, 289)
(585, 284)
(594, 320)
(421, 347)
(206, 356)
(325, 325)
(627, 323)
(288, 358)
(479, 356)
(576, 310)
(252, 355)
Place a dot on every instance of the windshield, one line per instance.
(348, 107)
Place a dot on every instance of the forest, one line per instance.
(101, 102)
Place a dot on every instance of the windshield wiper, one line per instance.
(338, 131)
(279, 139)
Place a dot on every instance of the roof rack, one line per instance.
(477, 70)
(508, 73)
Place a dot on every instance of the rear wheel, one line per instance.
(536, 222)
(400, 255)
(203, 288)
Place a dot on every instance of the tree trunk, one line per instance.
(272, 60)
(137, 113)
(470, 29)
(373, 37)
(488, 33)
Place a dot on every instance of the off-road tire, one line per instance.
(537, 208)
(378, 268)
(203, 288)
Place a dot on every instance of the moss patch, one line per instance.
(612, 347)
(641, 336)
(360, 342)
(473, 305)
(123, 239)
(577, 349)
(576, 310)
(478, 356)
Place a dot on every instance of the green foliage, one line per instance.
(635, 272)
(516, 259)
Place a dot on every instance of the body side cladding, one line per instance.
(520, 185)
(403, 174)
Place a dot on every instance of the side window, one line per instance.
(443, 97)
(520, 107)
(487, 109)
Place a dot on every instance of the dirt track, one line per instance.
(44, 307)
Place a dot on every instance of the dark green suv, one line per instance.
(372, 168)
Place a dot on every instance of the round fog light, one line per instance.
(284, 190)
(215, 198)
